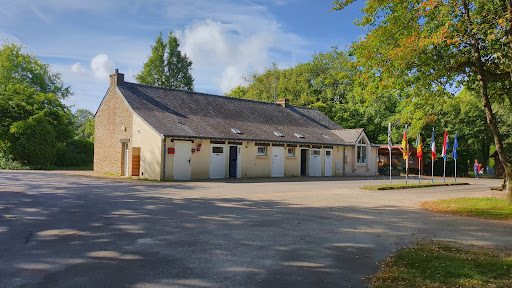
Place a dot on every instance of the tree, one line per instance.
(33, 115)
(332, 83)
(17, 67)
(429, 45)
(84, 124)
(167, 67)
(21, 102)
(32, 141)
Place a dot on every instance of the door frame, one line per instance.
(272, 161)
(325, 166)
(309, 158)
(124, 148)
(189, 161)
(224, 166)
(238, 159)
(306, 164)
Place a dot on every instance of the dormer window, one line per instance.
(278, 134)
(298, 135)
(236, 131)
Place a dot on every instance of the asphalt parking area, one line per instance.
(63, 230)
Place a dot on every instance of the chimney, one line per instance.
(116, 79)
(283, 102)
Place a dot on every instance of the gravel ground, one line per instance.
(80, 229)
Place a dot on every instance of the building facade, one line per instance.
(165, 134)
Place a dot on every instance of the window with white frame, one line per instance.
(262, 151)
(291, 151)
(361, 151)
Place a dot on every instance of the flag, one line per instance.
(445, 144)
(455, 146)
(419, 147)
(433, 145)
(405, 144)
(390, 143)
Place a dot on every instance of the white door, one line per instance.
(182, 155)
(277, 161)
(217, 161)
(315, 162)
(328, 163)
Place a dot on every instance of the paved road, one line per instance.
(63, 230)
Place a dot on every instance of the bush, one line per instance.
(32, 142)
(77, 152)
(6, 161)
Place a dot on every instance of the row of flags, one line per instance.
(419, 148)
(446, 145)
(419, 144)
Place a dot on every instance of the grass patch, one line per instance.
(487, 208)
(484, 175)
(111, 174)
(147, 179)
(410, 185)
(445, 264)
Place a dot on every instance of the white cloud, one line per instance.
(79, 69)
(225, 53)
(101, 66)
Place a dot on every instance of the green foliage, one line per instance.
(424, 47)
(84, 124)
(32, 142)
(330, 82)
(445, 264)
(75, 153)
(21, 68)
(167, 67)
(6, 161)
(20, 102)
(34, 120)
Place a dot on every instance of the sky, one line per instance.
(226, 40)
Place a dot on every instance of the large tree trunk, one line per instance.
(486, 147)
(491, 118)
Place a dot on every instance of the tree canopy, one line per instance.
(17, 67)
(167, 67)
(33, 115)
(424, 47)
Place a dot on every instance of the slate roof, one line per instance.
(349, 135)
(177, 113)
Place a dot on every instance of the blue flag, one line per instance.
(455, 146)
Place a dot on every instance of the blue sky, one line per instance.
(226, 40)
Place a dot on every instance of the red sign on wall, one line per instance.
(170, 150)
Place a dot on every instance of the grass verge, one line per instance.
(486, 207)
(445, 264)
(410, 185)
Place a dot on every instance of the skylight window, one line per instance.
(236, 131)
(298, 135)
(278, 134)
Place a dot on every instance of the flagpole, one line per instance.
(455, 169)
(407, 164)
(419, 169)
(432, 170)
(444, 171)
(390, 164)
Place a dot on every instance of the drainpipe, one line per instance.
(164, 159)
(344, 160)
